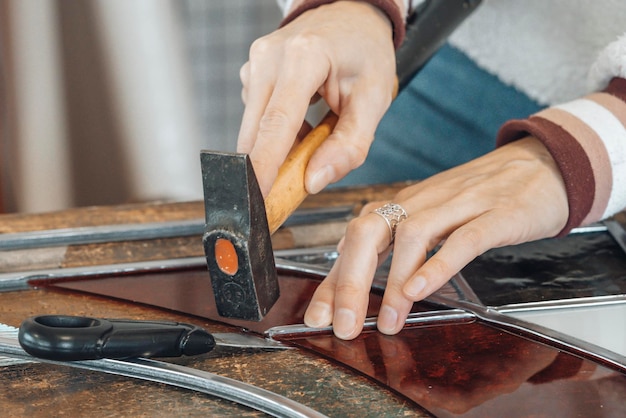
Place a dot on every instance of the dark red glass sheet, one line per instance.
(190, 292)
(475, 370)
(461, 370)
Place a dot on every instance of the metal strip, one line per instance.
(416, 319)
(20, 280)
(183, 377)
(617, 232)
(538, 332)
(98, 234)
(318, 215)
(597, 227)
(140, 231)
(546, 305)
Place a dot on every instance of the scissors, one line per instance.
(72, 338)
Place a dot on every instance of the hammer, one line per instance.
(239, 222)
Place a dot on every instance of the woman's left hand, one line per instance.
(512, 195)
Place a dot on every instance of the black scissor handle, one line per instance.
(70, 338)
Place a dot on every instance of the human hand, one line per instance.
(512, 195)
(342, 52)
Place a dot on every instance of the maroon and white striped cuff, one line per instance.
(587, 139)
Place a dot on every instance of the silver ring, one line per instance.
(393, 214)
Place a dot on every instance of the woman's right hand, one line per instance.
(342, 52)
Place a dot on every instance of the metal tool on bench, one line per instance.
(239, 222)
(11, 353)
(73, 338)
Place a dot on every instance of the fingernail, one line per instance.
(318, 315)
(387, 320)
(344, 323)
(415, 286)
(321, 179)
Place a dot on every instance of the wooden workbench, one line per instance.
(38, 390)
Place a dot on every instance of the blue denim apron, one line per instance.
(448, 114)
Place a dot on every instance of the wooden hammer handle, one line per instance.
(288, 191)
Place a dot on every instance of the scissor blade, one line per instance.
(231, 339)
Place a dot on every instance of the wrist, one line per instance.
(388, 8)
(585, 137)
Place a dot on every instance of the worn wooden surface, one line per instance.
(37, 390)
(44, 390)
(81, 255)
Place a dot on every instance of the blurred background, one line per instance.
(110, 101)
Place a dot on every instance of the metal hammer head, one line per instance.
(237, 240)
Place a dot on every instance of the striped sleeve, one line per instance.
(394, 9)
(587, 139)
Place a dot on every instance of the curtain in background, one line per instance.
(110, 101)
(34, 130)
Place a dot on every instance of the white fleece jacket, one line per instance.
(547, 48)
(558, 52)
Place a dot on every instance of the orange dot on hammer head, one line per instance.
(226, 256)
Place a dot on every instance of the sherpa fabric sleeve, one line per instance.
(587, 139)
(396, 11)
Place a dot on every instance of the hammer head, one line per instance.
(237, 240)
